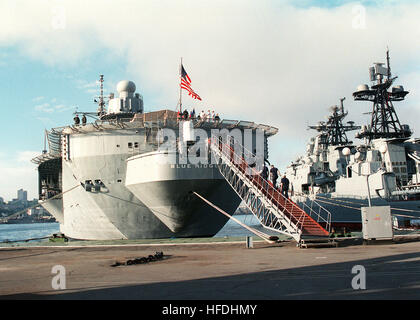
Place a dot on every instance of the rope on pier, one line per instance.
(260, 234)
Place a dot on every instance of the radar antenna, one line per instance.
(384, 119)
(101, 102)
(333, 130)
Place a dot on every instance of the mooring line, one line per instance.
(254, 231)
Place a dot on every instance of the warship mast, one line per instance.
(384, 120)
(101, 102)
(334, 130)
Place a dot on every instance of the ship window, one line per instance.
(118, 145)
(130, 144)
(136, 144)
(403, 170)
(396, 170)
(66, 146)
(119, 180)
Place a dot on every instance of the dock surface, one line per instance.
(213, 271)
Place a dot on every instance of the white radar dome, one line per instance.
(358, 156)
(362, 87)
(126, 86)
(383, 148)
(398, 89)
(346, 151)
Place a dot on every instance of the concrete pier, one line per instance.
(213, 271)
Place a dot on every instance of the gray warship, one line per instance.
(104, 179)
(384, 169)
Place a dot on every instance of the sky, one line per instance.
(282, 63)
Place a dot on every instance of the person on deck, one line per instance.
(274, 175)
(284, 185)
(76, 120)
(264, 175)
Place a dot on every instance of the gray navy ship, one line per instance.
(383, 169)
(105, 179)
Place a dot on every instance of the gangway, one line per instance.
(273, 210)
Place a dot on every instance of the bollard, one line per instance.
(249, 243)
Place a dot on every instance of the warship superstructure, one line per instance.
(111, 178)
(384, 169)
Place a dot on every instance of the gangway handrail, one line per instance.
(263, 185)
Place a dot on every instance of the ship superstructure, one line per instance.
(384, 169)
(116, 178)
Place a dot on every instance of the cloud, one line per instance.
(47, 122)
(18, 172)
(37, 99)
(62, 107)
(266, 61)
(26, 156)
(93, 87)
(48, 108)
(45, 107)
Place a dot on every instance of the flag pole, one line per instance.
(180, 88)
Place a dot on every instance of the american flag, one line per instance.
(186, 84)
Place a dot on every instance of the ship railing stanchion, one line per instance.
(273, 210)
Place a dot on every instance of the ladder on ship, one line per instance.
(273, 210)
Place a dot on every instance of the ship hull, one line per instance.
(55, 207)
(348, 210)
(114, 212)
(103, 199)
(166, 187)
(118, 214)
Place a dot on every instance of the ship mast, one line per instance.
(334, 130)
(384, 120)
(180, 88)
(101, 102)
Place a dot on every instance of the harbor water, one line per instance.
(15, 232)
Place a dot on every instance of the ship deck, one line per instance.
(149, 120)
(162, 119)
